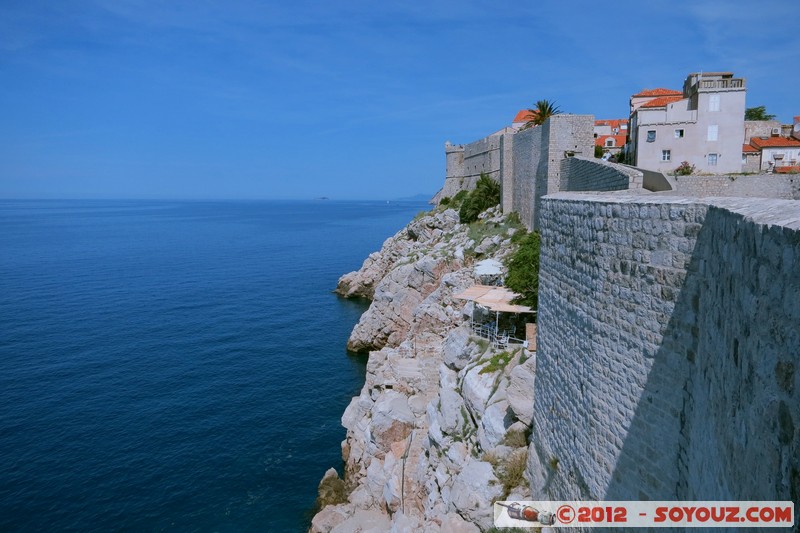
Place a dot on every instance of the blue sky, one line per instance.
(347, 99)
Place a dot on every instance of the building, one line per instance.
(522, 118)
(778, 154)
(611, 135)
(703, 124)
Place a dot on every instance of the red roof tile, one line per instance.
(619, 140)
(658, 92)
(524, 116)
(614, 122)
(749, 148)
(662, 101)
(774, 142)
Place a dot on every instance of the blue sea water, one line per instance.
(176, 366)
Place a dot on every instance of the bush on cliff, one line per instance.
(485, 195)
(523, 270)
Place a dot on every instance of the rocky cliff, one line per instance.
(441, 426)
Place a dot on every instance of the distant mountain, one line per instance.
(415, 198)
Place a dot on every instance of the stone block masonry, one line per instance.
(669, 349)
(584, 174)
(786, 186)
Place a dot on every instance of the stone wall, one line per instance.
(585, 174)
(529, 161)
(785, 186)
(525, 163)
(668, 349)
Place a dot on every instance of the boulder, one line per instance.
(392, 419)
(453, 523)
(473, 491)
(451, 412)
(476, 389)
(493, 425)
(329, 517)
(457, 351)
(520, 391)
(364, 521)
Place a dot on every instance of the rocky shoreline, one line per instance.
(442, 424)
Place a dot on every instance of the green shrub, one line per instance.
(685, 169)
(497, 362)
(598, 151)
(445, 201)
(331, 491)
(516, 438)
(485, 195)
(523, 270)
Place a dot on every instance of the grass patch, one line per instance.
(517, 438)
(510, 470)
(497, 362)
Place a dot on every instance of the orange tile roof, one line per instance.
(614, 122)
(524, 116)
(619, 140)
(662, 101)
(749, 148)
(774, 142)
(658, 92)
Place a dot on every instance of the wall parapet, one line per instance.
(585, 174)
(668, 349)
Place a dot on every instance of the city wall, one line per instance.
(786, 186)
(527, 164)
(668, 349)
(585, 174)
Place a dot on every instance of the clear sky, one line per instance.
(346, 99)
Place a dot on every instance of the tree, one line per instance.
(598, 151)
(485, 195)
(544, 110)
(757, 113)
(523, 270)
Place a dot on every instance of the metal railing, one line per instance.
(500, 339)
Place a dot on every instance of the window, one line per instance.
(666, 155)
(651, 136)
(679, 134)
(712, 160)
(713, 102)
(713, 133)
(610, 142)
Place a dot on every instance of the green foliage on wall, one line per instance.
(485, 195)
(523, 270)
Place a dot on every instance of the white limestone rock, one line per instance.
(473, 491)
(520, 390)
(493, 425)
(457, 350)
(454, 523)
(364, 521)
(329, 517)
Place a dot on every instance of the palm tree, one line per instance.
(544, 110)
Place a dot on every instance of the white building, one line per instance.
(703, 125)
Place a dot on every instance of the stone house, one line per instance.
(778, 154)
(611, 135)
(703, 124)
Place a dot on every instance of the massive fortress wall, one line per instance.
(526, 163)
(584, 174)
(668, 349)
(786, 186)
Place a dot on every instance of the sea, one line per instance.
(176, 365)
